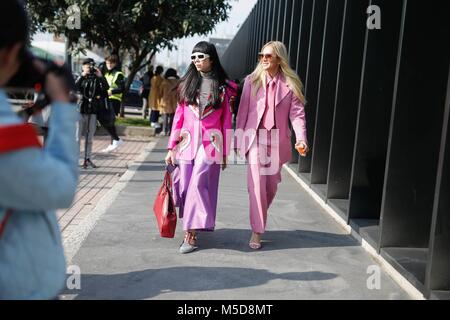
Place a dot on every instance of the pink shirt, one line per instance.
(271, 91)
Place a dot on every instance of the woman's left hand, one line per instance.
(224, 163)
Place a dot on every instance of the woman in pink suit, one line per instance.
(200, 140)
(272, 95)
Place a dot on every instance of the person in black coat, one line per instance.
(93, 88)
(146, 85)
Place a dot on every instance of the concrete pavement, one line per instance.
(93, 184)
(306, 254)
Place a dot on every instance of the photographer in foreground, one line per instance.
(94, 91)
(34, 181)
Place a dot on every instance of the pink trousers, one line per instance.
(263, 177)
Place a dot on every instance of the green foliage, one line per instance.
(132, 122)
(142, 25)
(139, 27)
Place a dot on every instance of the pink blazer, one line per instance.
(287, 107)
(212, 129)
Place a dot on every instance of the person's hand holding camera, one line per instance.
(98, 73)
(56, 88)
(55, 85)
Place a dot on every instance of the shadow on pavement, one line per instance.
(237, 239)
(156, 167)
(149, 283)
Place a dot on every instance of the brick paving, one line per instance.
(95, 183)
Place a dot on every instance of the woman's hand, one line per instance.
(302, 148)
(224, 163)
(170, 158)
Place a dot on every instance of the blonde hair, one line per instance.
(258, 76)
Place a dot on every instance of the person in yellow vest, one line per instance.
(116, 81)
(154, 98)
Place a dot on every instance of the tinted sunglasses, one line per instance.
(199, 56)
(265, 56)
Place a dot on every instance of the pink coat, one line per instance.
(287, 107)
(213, 129)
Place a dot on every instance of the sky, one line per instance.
(227, 29)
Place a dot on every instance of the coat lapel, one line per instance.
(282, 90)
(261, 101)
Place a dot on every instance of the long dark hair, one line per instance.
(190, 82)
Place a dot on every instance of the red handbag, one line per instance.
(164, 209)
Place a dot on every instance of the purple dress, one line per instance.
(196, 182)
(197, 190)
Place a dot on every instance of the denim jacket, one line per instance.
(33, 183)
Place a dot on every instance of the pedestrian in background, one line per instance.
(168, 99)
(154, 98)
(273, 85)
(107, 117)
(35, 181)
(94, 92)
(146, 85)
(199, 140)
(236, 102)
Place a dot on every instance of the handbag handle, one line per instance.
(168, 180)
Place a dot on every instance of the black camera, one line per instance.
(92, 69)
(30, 78)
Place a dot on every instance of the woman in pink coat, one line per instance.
(272, 95)
(200, 140)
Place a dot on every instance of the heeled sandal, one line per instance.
(191, 238)
(189, 243)
(255, 245)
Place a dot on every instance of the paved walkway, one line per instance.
(306, 254)
(95, 183)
